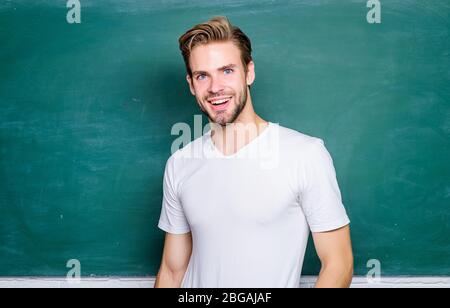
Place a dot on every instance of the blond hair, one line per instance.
(217, 29)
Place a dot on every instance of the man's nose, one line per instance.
(216, 85)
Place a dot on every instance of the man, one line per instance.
(230, 220)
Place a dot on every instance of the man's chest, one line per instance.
(238, 193)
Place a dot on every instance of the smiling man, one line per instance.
(230, 222)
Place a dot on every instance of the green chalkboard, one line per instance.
(86, 112)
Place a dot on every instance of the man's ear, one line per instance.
(189, 81)
(250, 73)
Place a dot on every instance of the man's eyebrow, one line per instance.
(219, 69)
(198, 72)
(226, 67)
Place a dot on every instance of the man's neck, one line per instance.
(231, 138)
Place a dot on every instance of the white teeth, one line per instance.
(220, 102)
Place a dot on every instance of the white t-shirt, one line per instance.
(250, 213)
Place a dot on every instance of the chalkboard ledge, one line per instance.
(148, 282)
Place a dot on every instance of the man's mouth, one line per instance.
(220, 103)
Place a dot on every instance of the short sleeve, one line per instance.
(172, 219)
(321, 198)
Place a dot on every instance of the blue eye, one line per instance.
(228, 71)
(200, 77)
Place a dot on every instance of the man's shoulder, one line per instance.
(190, 150)
(296, 139)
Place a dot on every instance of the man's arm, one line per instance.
(335, 252)
(175, 260)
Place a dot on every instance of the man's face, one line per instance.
(219, 81)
